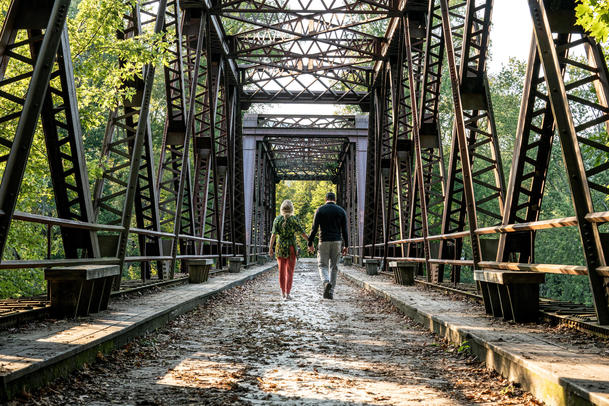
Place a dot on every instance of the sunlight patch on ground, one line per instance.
(11, 362)
(85, 333)
(314, 385)
(200, 373)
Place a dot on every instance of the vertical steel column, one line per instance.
(207, 178)
(346, 191)
(352, 196)
(461, 136)
(392, 221)
(369, 205)
(416, 137)
(258, 206)
(220, 161)
(428, 83)
(139, 147)
(377, 219)
(381, 157)
(174, 136)
(404, 144)
(65, 150)
(189, 121)
(127, 148)
(203, 149)
(238, 178)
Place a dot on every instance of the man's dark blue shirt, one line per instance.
(333, 222)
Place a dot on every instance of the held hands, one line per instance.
(271, 253)
(311, 249)
(345, 251)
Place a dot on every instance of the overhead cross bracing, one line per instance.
(292, 51)
(306, 147)
(306, 158)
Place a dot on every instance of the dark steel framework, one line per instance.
(301, 147)
(213, 193)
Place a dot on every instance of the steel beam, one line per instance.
(31, 105)
(461, 133)
(485, 158)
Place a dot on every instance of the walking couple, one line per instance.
(332, 220)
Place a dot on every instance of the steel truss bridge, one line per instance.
(412, 191)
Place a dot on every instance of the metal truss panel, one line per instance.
(483, 145)
(460, 145)
(183, 221)
(428, 61)
(127, 183)
(22, 111)
(322, 52)
(531, 160)
(63, 137)
(183, 53)
(574, 140)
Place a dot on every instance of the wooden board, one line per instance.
(505, 277)
(81, 272)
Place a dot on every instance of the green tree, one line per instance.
(593, 16)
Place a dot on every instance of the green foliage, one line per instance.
(464, 347)
(593, 15)
(96, 53)
(23, 283)
(306, 196)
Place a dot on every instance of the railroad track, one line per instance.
(14, 312)
(577, 316)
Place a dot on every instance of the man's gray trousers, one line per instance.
(328, 252)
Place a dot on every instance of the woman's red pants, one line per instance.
(286, 271)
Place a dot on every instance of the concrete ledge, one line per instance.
(32, 358)
(552, 372)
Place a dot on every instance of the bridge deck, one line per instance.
(248, 346)
(557, 367)
(252, 347)
(42, 350)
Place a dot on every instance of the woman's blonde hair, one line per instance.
(287, 208)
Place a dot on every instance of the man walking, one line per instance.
(332, 220)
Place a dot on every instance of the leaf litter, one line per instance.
(248, 346)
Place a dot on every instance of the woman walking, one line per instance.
(285, 228)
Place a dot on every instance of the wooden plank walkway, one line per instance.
(555, 371)
(37, 353)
